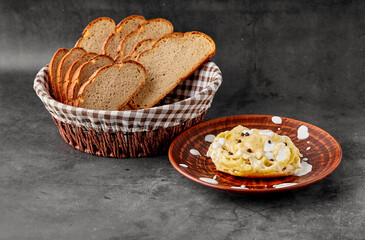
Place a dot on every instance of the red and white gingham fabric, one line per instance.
(187, 101)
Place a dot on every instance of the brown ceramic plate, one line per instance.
(320, 148)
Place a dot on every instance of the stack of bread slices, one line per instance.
(132, 65)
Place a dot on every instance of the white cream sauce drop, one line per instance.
(269, 146)
(281, 153)
(269, 155)
(308, 148)
(302, 132)
(267, 132)
(305, 159)
(195, 152)
(183, 165)
(219, 143)
(209, 180)
(276, 120)
(248, 131)
(284, 137)
(282, 185)
(240, 187)
(304, 169)
(209, 138)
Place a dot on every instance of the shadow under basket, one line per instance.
(133, 133)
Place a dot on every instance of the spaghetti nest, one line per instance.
(254, 153)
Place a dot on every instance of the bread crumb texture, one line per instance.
(173, 58)
(112, 86)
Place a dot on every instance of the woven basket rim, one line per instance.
(206, 94)
(209, 85)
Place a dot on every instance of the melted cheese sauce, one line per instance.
(255, 153)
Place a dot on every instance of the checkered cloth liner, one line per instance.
(187, 101)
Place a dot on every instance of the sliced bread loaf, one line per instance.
(140, 47)
(53, 66)
(70, 72)
(83, 73)
(151, 29)
(64, 65)
(125, 27)
(120, 59)
(125, 108)
(143, 46)
(95, 34)
(172, 59)
(111, 87)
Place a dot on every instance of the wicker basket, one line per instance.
(133, 133)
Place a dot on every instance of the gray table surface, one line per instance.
(298, 59)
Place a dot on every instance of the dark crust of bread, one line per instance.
(71, 92)
(133, 54)
(105, 45)
(129, 18)
(93, 76)
(129, 107)
(120, 59)
(68, 76)
(52, 67)
(61, 80)
(89, 25)
(140, 27)
(118, 26)
(210, 55)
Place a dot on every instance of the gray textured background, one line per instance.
(298, 59)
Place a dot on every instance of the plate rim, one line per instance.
(332, 168)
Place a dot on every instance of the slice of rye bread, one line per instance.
(139, 48)
(126, 107)
(95, 34)
(70, 72)
(64, 65)
(143, 46)
(120, 59)
(125, 27)
(53, 66)
(151, 29)
(111, 87)
(83, 73)
(173, 58)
